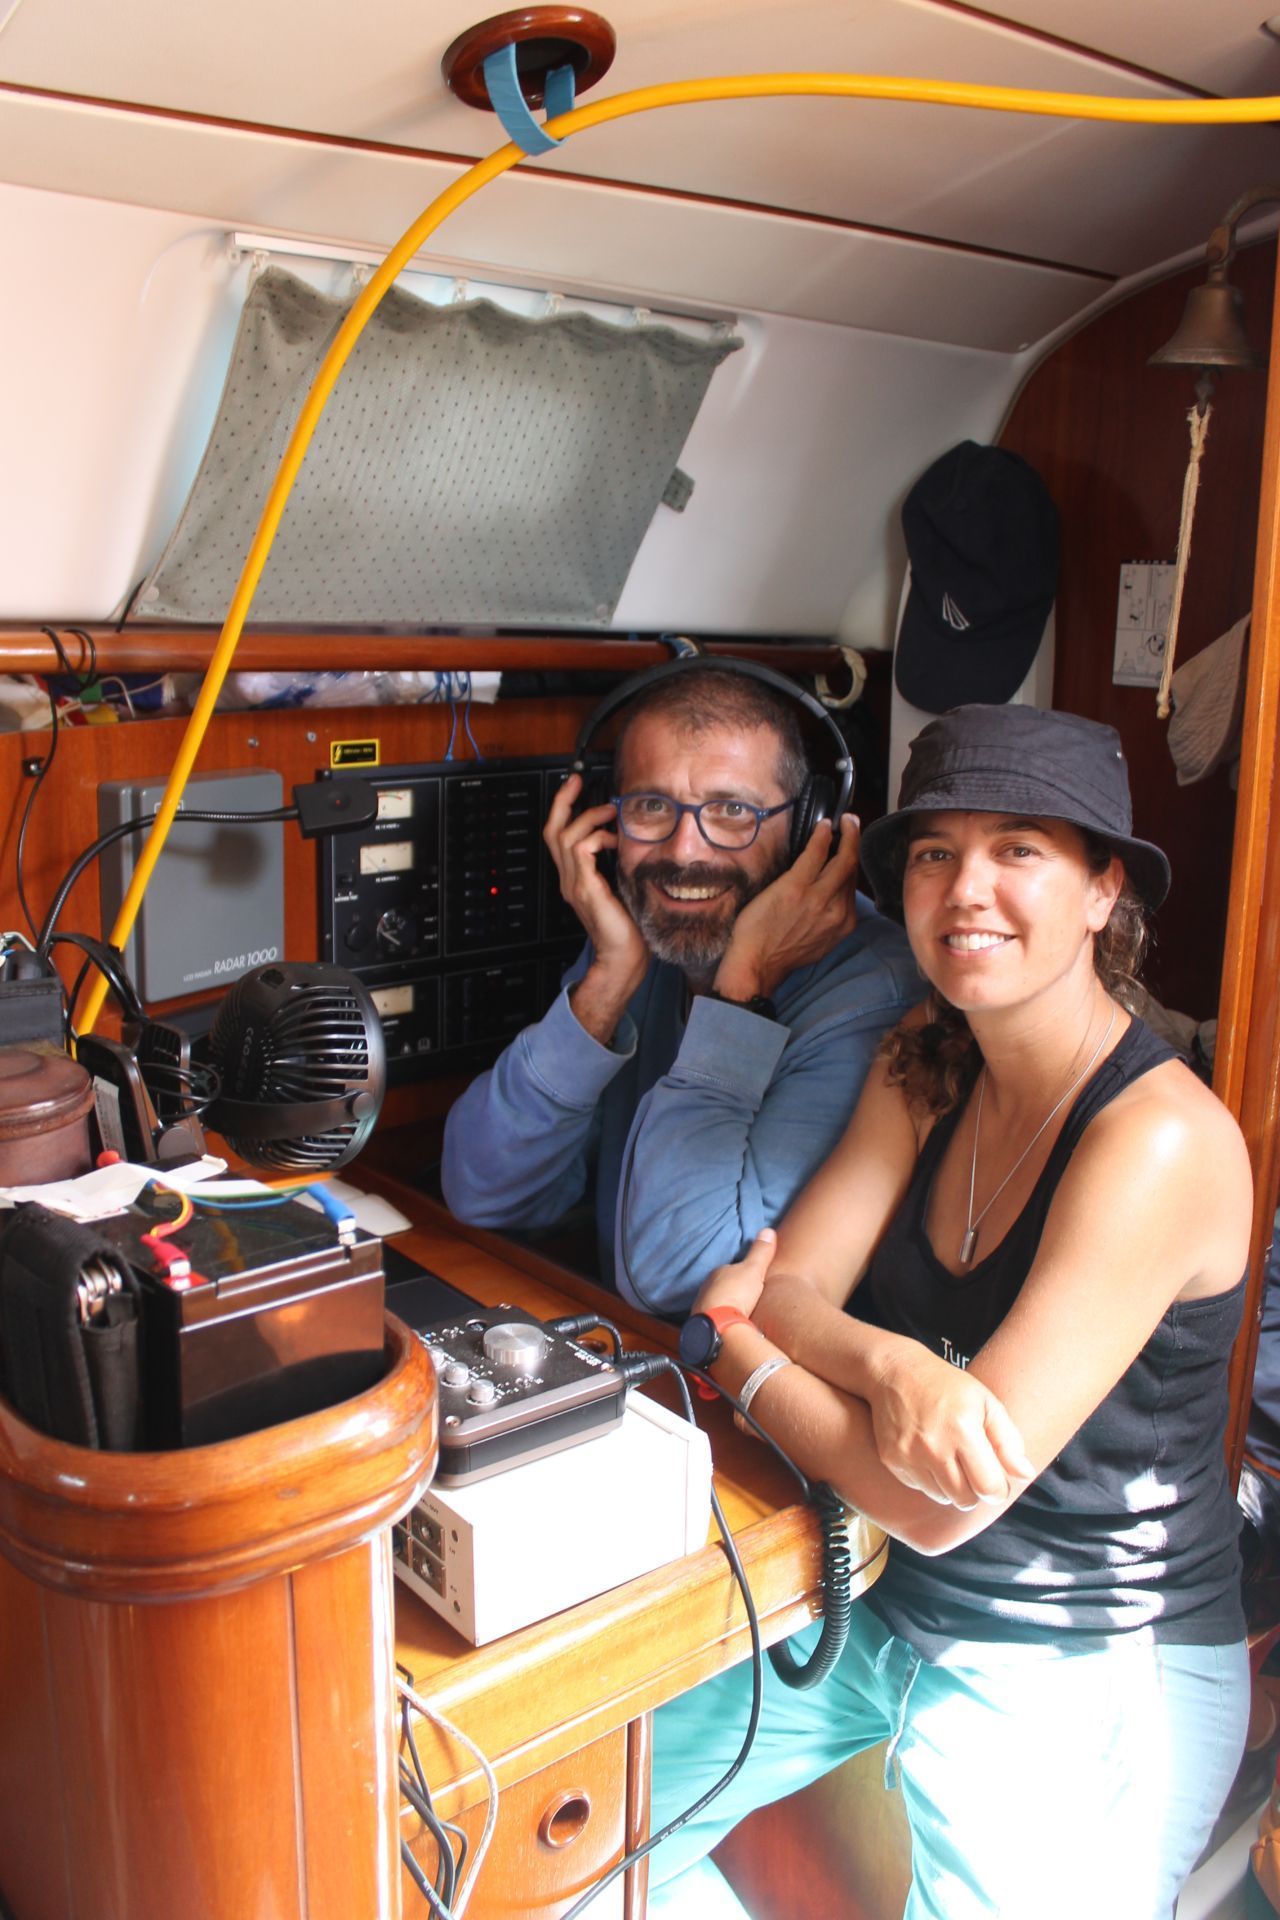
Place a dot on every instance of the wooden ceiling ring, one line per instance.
(544, 38)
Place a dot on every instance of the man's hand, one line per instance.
(800, 917)
(619, 956)
(741, 1284)
(940, 1431)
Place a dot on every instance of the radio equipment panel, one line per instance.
(448, 908)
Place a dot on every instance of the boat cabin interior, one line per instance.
(382, 387)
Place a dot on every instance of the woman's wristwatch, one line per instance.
(702, 1335)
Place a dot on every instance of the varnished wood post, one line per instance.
(1247, 1062)
(197, 1713)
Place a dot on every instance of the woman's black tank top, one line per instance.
(1133, 1527)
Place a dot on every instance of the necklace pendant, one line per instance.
(968, 1246)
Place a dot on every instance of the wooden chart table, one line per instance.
(561, 1707)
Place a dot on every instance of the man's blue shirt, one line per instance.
(699, 1127)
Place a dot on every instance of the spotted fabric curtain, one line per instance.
(471, 466)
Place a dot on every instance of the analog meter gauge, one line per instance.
(386, 856)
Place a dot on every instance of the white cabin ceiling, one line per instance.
(978, 229)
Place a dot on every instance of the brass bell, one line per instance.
(1211, 331)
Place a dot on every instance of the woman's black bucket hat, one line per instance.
(1015, 759)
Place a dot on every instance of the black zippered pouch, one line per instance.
(69, 1331)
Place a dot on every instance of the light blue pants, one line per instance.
(1039, 1785)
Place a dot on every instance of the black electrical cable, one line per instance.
(459, 1833)
(837, 1561)
(573, 1325)
(106, 840)
(69, 1005)
(837, 1564)
(439, 1827)
(837, 1597)
(88, 678)
(184, 1093)
(652, 1364)
(110, 964)
(447, 1878)
(418, 1794)
(422, 1883)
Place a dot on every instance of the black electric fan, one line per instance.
(302, 1066)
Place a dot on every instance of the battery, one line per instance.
(277, 1317)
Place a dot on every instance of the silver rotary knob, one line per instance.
(515, 1343)
(455, 1374)
(481, 1393)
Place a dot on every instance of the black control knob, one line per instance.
(395, 933)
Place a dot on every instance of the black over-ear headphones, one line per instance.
(819, 799)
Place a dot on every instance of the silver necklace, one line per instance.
(968, 1246)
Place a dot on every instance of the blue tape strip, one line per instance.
(558, 94)
(512, 108)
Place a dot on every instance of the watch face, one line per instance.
(699, 1341)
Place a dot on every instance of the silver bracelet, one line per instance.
(754, 1381)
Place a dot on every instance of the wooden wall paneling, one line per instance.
(1247, 1068)
(1109, 435)
(294, 743)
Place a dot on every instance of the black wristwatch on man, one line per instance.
(758, 1003)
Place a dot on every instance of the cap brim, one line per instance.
(937, 668)
(1146, 864)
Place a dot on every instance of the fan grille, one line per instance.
(297, 1033)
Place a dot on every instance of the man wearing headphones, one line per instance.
(711, 1041)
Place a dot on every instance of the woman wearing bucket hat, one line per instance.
(1001, 1316)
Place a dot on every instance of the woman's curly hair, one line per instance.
(937, 1062)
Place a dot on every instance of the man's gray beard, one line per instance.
(681, 939)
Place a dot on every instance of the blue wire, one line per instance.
(240, 1206)
(466, 721)
(337, 1210)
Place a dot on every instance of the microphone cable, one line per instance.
(831, 1510)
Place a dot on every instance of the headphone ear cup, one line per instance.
(816, 802)
(597, 791)
(597, 788)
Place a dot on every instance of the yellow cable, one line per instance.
(848, 86)
(937, 93)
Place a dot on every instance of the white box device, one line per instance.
(547, 1533)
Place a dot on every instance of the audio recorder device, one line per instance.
(554, 1483)
(511, 1389)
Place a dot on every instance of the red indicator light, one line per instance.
(493, 892)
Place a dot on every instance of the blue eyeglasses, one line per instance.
(728, 824)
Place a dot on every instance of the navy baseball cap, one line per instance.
(982, 537)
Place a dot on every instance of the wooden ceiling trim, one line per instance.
(138, 649)
(1063, 45)
(350, 143)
